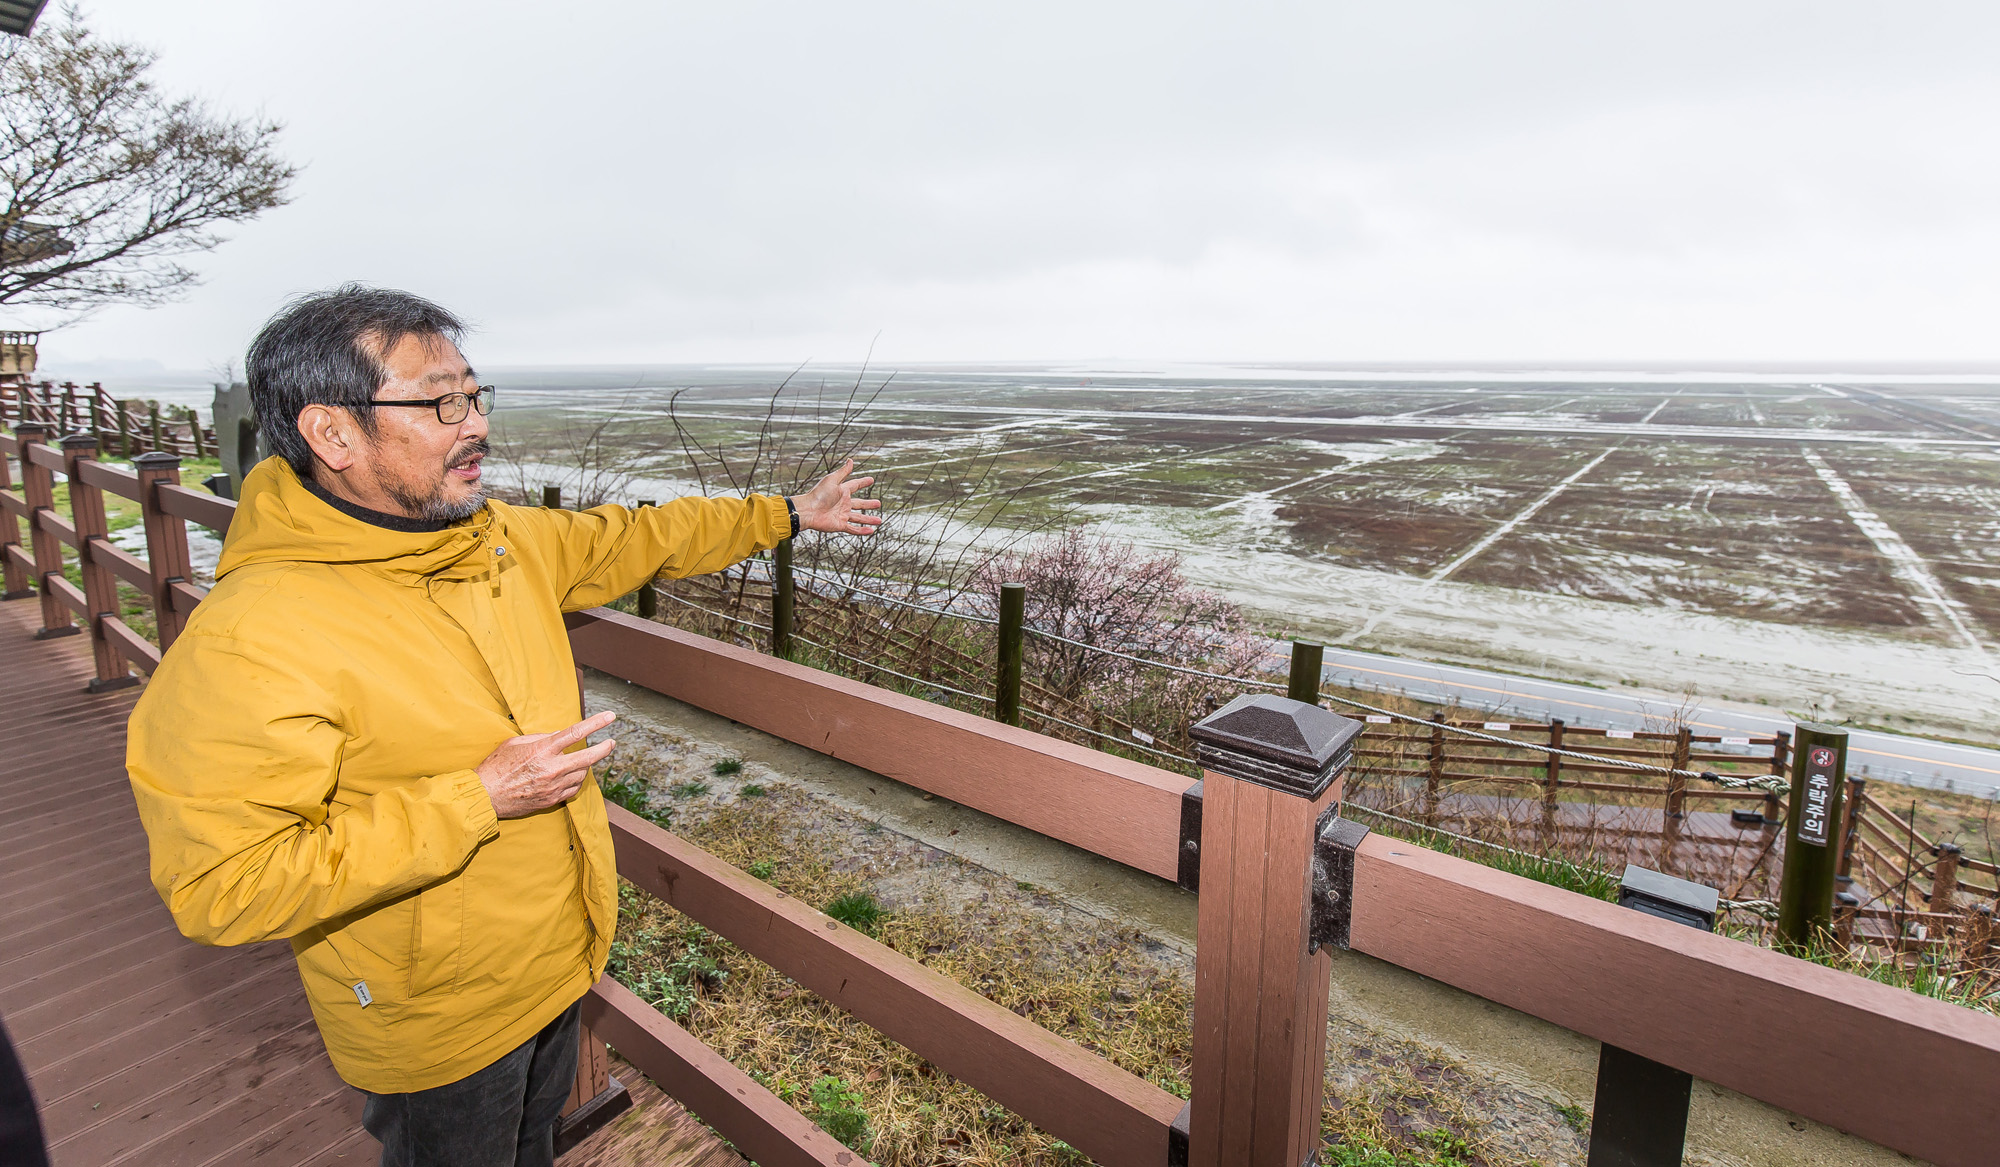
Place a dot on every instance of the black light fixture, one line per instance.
(18, 16)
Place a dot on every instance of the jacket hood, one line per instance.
(279, 521)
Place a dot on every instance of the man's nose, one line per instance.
(474, 425)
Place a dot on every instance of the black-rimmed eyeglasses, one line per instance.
(452, 407)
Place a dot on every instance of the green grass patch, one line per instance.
(858, 910)
(726, 767)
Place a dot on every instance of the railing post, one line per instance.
(1639, 1117)
(159, 438)
(1781, 749)
(1552, 779)
(1850, 828)
(595, 1097)
(100, 587)
(782, 599)
(1013, 623)
(552, 497)
(1436, 776)
(194, 432)
(166, 542)
(1271, 767)
(1944, 879)
(1845, 905)
(1805, 886)
(1675, 813)
(15, 580)
(65, 415)
(38, 488)
(1308, 666)
(125, 441)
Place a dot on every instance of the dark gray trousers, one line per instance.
(501, 1116)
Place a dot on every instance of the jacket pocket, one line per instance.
(437, 937)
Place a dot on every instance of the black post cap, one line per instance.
(1276, 742)
(157, 460)
(79, 441)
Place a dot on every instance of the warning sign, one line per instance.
(1816, 809)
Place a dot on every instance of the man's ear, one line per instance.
(332, 434)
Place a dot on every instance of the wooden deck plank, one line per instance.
(143, 1047)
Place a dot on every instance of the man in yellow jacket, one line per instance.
(366, 739)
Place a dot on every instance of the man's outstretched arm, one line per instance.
(610, 551)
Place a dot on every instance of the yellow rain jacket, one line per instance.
(303, 761)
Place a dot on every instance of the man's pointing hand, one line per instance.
(831, 506)
(532, 773)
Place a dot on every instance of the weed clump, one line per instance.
(726, 767)
(858, 910)
(752, 790)
(840, 1115)
(686, 790)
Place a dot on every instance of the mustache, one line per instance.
(466, 452)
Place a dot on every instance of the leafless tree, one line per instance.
(108, 183)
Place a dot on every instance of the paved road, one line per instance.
(1917, 761)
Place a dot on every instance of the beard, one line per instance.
(429, 501)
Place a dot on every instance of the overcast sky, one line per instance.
(1332, 181)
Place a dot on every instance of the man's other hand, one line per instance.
(831, 505)
(532, 773)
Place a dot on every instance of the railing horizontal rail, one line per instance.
(14, 504)
(69, 594)
(1110, 1115)
(186, 596)
(132, 646)
(1126, 811)
(1690, 999)
(119, 481)
(55, 524)
(197, 507)
(47, 456)
(760, 1124)
(20, 558)
(121, 563)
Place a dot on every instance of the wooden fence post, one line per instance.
(1850, 828)
(1271, 766)
(1552, 779)
(783, 609)
(1676, 813)
(125, 441)
(38, 489)
(552, 497)
(100, 587)
(1774, 810)
(159, 437)
(1805, 885)
(15, 579)
(595, 1097)
(194, 432)
(166, 542)
(1013, 635)
(1944, 878)
(1308, 666)
(65, 415)
(1436, 775)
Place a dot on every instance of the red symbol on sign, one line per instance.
(1821, 756)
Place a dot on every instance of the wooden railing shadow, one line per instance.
(1280, 878)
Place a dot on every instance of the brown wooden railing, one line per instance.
(1861, 1056)
(122, 427)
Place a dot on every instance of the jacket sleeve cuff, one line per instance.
(469, 793)
(777, 520)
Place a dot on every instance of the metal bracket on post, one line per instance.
(1333, 879)
(1189, 875)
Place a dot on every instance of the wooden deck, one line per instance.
(142, 1047)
